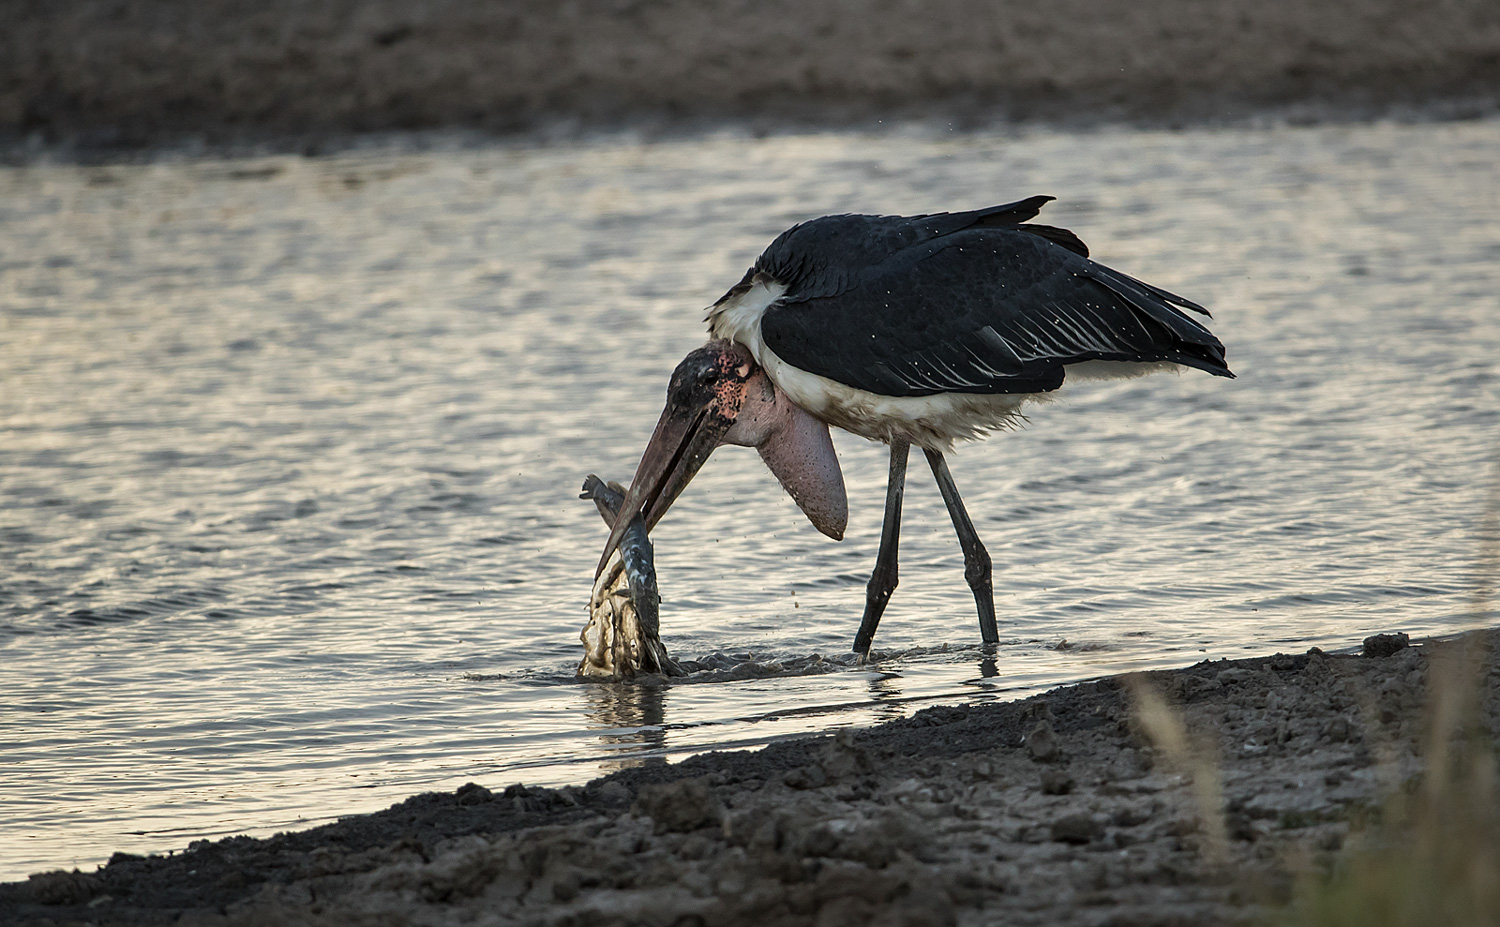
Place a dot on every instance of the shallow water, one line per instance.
(292, 449)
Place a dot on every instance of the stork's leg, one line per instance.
(883, 580)
(976, 558)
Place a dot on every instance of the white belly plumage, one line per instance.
(934, 422)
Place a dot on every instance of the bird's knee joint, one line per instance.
(978, 570)
(881, 587)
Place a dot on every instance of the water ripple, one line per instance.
(292, 448)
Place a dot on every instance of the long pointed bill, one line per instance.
(684, 437)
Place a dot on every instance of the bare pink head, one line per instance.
(719, 395)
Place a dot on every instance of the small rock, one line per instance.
(60, 887)
(525, 799)
(612, 793)
(1076, 828)
(876, 841)
(680, 806)
(806, 777)
(1337, 730)
(472, 793)
(740, 828)
(1186, 686)
(1040, 710)
(1383, 645)
(566, 885)
(1041, 743)
(843, 757)
(1056, 782)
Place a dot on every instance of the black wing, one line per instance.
(970, 303)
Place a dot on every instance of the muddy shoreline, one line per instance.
(1060, 809)
(99, 75)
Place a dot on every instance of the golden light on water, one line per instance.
(292, 448)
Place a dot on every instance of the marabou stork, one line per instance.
(907, 330)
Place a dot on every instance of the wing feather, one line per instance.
(967, 304)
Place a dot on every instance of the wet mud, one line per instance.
(1060, 810)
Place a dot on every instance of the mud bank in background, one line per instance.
(112, 73)
(1054, 810)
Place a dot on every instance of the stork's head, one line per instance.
(704, 399)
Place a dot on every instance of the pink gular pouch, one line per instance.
(797, 448)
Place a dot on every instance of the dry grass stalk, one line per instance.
(1166, 729)
(1432, 854)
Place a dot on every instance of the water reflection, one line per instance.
(631, 719)
(289, 456)
(886, 696)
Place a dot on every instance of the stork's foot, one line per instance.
(984, 601)
(877, 596)
(878, 591)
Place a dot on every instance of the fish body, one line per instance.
(622, 638)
